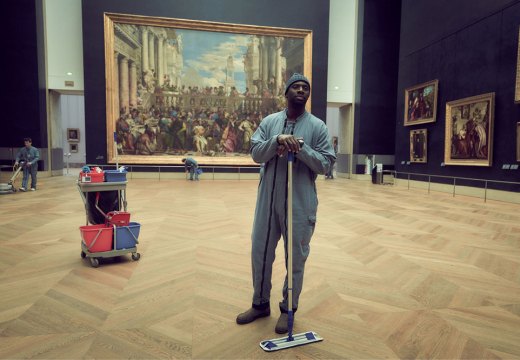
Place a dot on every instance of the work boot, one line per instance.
(251, 315)
(281, 325)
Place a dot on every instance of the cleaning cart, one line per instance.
(108, 231)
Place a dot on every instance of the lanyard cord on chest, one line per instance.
(289, 125)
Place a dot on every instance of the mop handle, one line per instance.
(290, 158)
(115, 149)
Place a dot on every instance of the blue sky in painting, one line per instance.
(205, 57)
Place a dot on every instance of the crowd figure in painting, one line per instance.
(209, 130)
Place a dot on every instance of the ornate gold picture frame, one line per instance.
(177, 88)
(518, 141)
(469, 131)
(419, 146)
(420, 103)
(517, 84)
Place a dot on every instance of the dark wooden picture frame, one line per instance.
(419, 146)
(72, 134)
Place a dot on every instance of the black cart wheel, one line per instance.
(94, 262)
(136, 256)
(83, 255)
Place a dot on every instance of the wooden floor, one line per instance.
(392, 274)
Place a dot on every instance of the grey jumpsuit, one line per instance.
(315, 157)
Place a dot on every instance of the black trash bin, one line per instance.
(377, 174)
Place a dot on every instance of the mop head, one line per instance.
(290, 341)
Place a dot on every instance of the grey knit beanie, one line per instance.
(294, 78)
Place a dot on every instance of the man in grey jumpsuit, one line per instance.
(295, 130)
(30, 155)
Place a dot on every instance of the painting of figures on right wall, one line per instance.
(420, 103)
(469, 131)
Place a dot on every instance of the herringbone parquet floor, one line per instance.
(392, 274)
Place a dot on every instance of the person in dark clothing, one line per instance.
(192, 166)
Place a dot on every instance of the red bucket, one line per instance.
(91, 177)
(118, 218)
(97, 238)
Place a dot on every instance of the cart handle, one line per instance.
(97, 207)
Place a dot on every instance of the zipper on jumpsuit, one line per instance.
(271, 205)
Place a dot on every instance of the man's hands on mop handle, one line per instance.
(288, 143)
(22, 163)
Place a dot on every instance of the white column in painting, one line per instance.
(175, 69)
(264, 62)
(160, 58)
(145, 64)
(180, 60)
(169, 61)
(165, 57)
(151, 53)
(259, 78)
(115, 89)
(271, 77)
(254, 64)
(123, 85)
(172, 71)
(230, 75)
(255, 56)
(278, 59)
(133, 85)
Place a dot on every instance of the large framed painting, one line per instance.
(420, 103)
(418, 146)
(469, 131)
(517, 86)
(177, 88)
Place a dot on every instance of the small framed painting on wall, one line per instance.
(418, 145)
(72, 135)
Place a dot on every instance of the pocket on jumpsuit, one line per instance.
(309, 231)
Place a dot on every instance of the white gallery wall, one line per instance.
(64, 44)
(73, 117)
(340, 83)
(342, 36)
